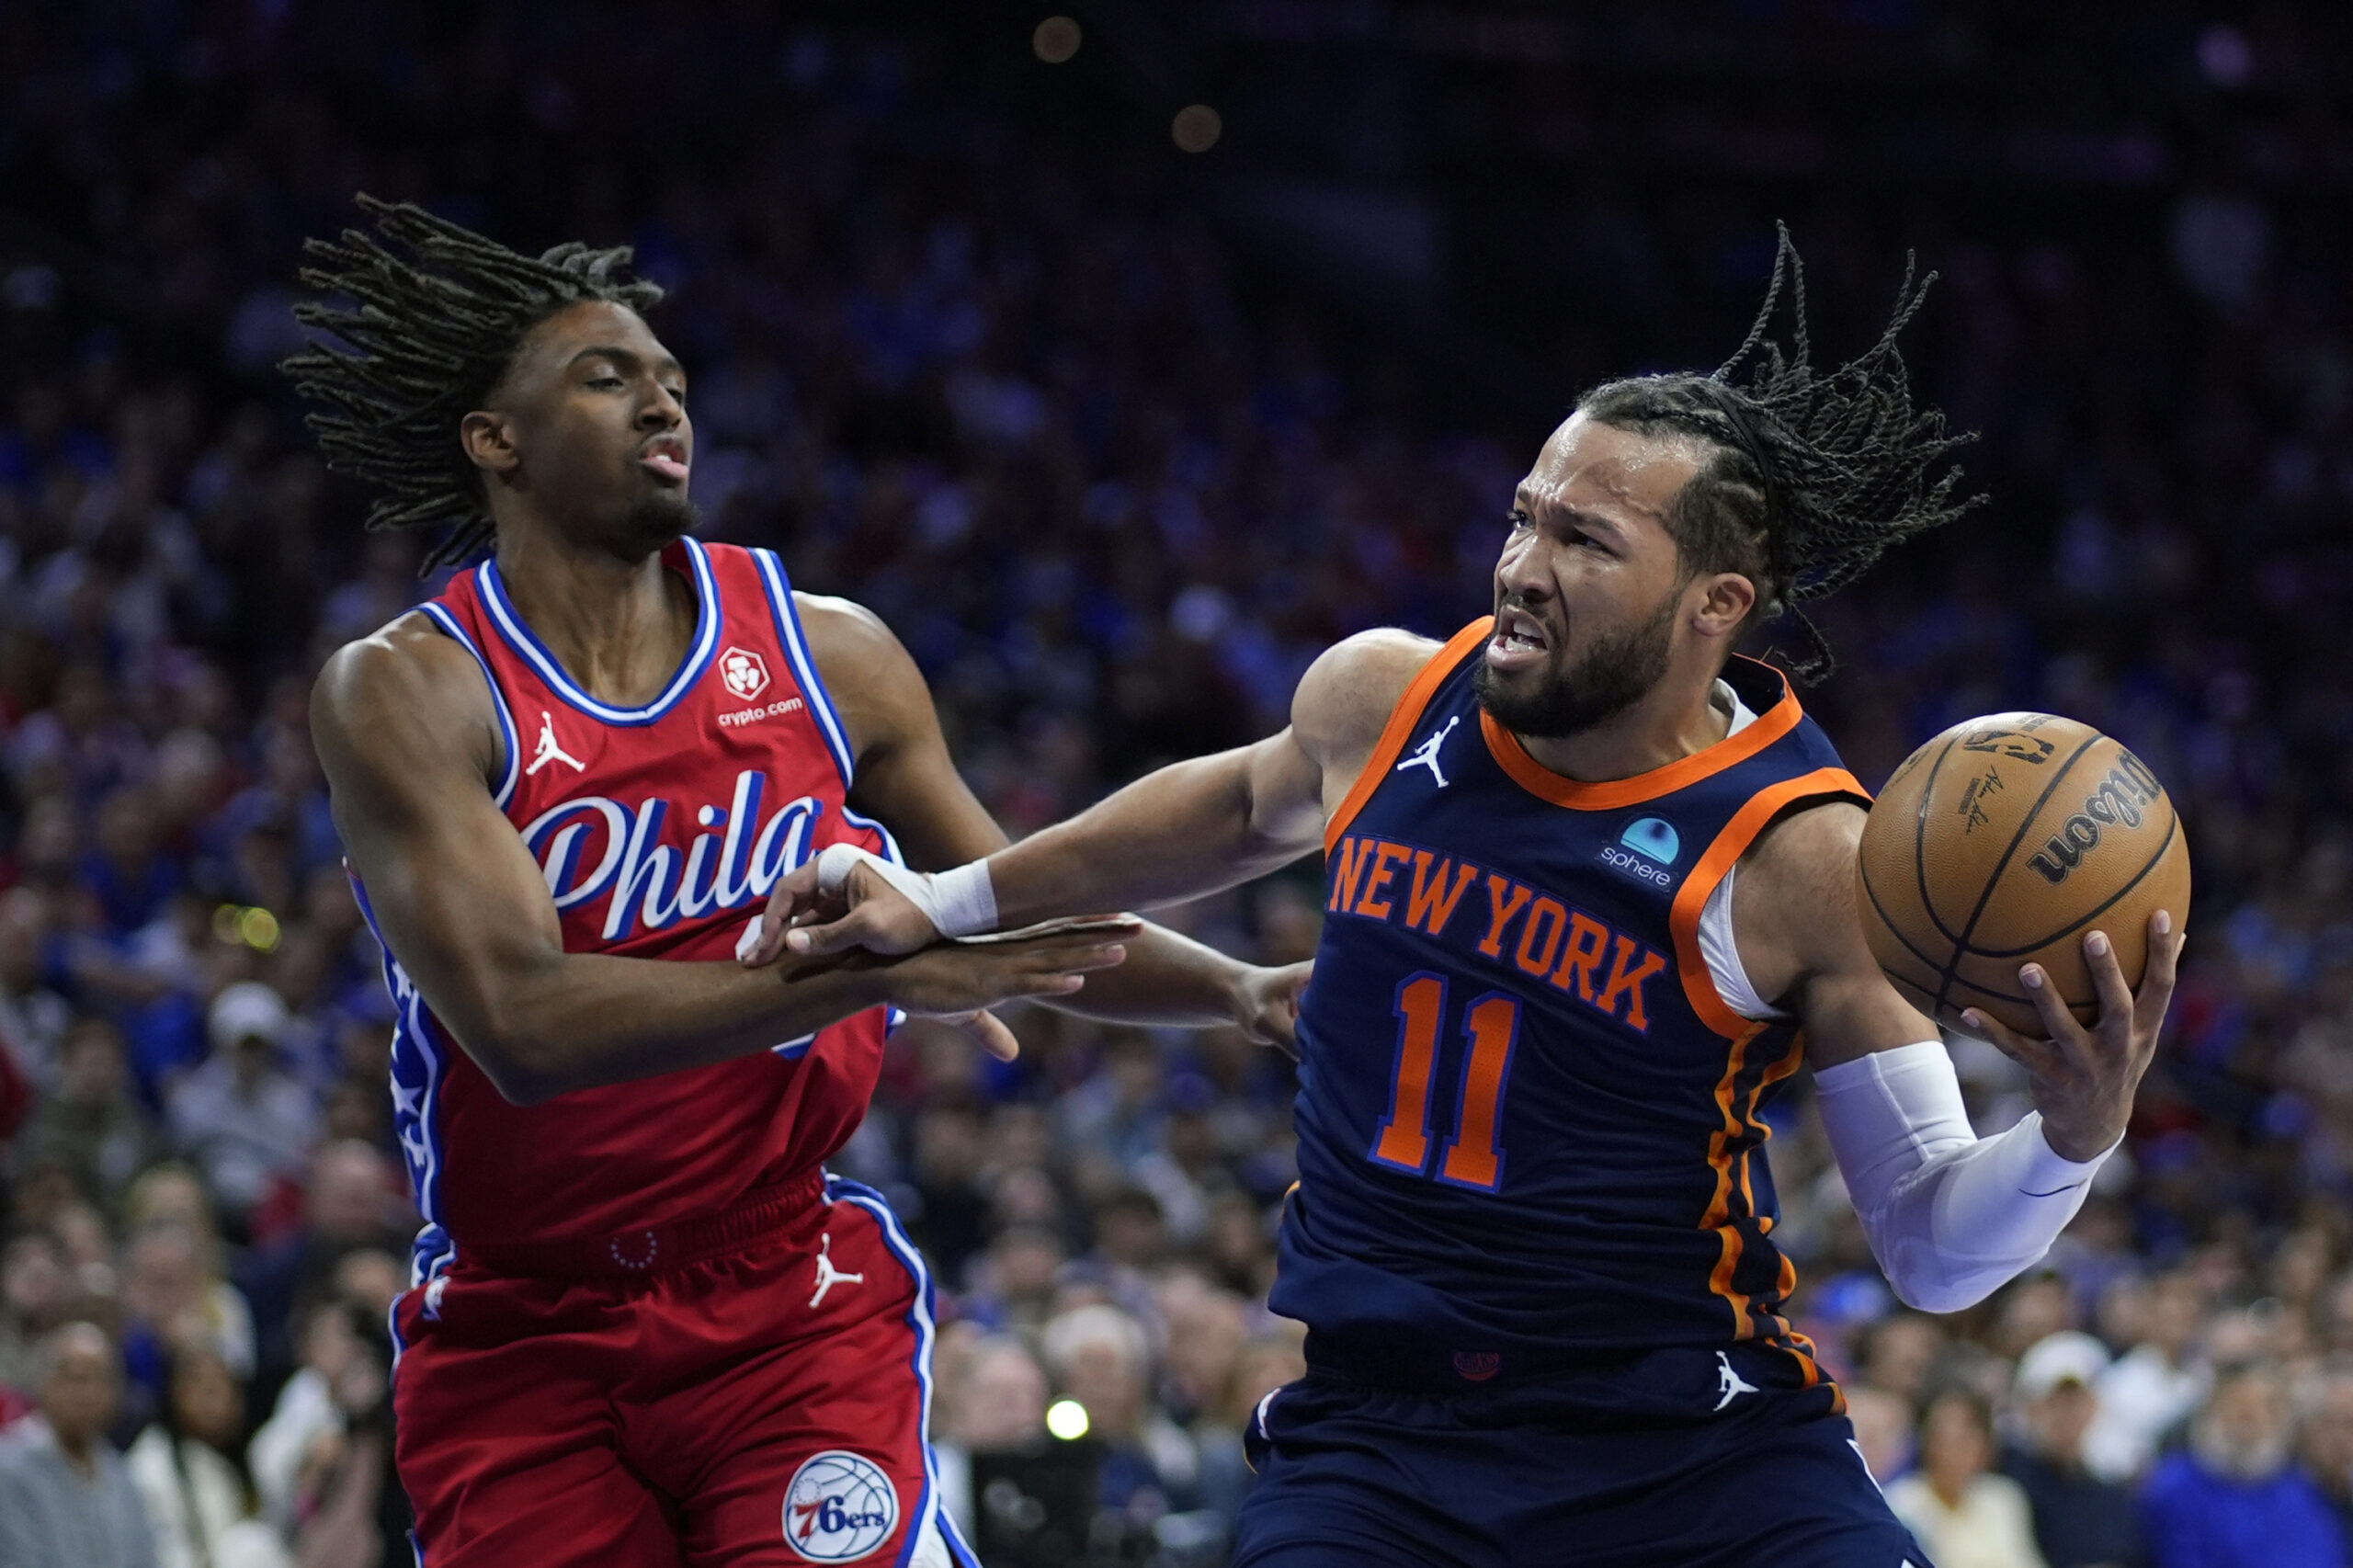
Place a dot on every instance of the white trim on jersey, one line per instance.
(509, 771)
(805, 669)
(518, 636)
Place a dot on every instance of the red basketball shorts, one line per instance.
(761, 1400)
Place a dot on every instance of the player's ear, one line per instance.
(1721, 602)
(489, 441)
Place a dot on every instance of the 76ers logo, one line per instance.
(840, 1507)
(745, 673)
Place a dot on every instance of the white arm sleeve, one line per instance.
(1950, 1216)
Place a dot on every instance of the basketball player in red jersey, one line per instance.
(645, 1326)
(1590, 903)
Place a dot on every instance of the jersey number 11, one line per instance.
(1491, 1023)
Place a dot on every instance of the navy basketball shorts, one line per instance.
(1677, 1459)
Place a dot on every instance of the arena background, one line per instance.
(1121, 384)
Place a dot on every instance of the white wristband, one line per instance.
(958, 903)
(967, 899)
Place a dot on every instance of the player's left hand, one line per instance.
(2085, 1078)
(1266, 1005)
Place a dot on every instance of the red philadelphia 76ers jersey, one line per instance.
(661, 830)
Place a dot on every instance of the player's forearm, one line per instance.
(1950, 1217)
(1168, 979)
(1187, 830)
(578, 1020)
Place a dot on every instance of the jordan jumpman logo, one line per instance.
(549, 751)
(1728, 1383)
(828, 1274)
(1425, 756)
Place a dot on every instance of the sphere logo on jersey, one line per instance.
(593, 847)
(1643, 851)
(840, 1507)
(743, 672)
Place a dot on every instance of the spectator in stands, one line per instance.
(200, 1503)
(126, 872)
(1883, 1424)
(2324, 1445)
(2149, 1389)
(2080, 1521)
(66, 1496)
(1963, 1514)
(1896, 1353)
(241, 1118)
(36, 1292)
(1204, 1329)
(175, 1300)
(32, 1016)
(1264, 1364)
(2234, 1498)
(993, 1401)
(1098, 1356)
(349, 1204)
(1012, 1283)
(94, 1124)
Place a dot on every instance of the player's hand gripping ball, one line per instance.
(1999, 844)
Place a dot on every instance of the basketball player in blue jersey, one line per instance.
(1589, 904)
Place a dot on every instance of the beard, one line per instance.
(1612, 676)
(659, 520)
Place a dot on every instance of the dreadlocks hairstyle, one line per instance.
(436, 315)
(1815, 474)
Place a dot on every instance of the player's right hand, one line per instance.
(866, 912)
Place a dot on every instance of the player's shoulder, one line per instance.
(1344, 700)
(1799, 873)
(408, 669)
(832, 622)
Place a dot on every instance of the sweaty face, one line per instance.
(594, 409)
(1590, 585)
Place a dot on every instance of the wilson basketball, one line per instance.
(1999, 844)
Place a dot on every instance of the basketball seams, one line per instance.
(1888, 923)
(1920, 844)
(2173, 831)
(1949, 969)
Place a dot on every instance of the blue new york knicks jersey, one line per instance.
(1528, 1123)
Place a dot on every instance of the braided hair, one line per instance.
(1814, 473)
(438, 311)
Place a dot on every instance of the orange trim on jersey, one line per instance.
(1400, 728)
(1800, 1347)
(1610, 794)
(1733, 1173)
(1691, 900)
(1719, 1214)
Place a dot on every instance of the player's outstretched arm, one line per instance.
(1951, 1217)
(405, 732)
(905, 777)
(1191, 828)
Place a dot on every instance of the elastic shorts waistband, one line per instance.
(659, 1248)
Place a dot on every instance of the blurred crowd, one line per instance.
(1114, 490)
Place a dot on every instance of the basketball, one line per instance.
(1999, 844)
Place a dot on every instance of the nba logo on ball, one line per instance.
(839, 1507)
(744, 671)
